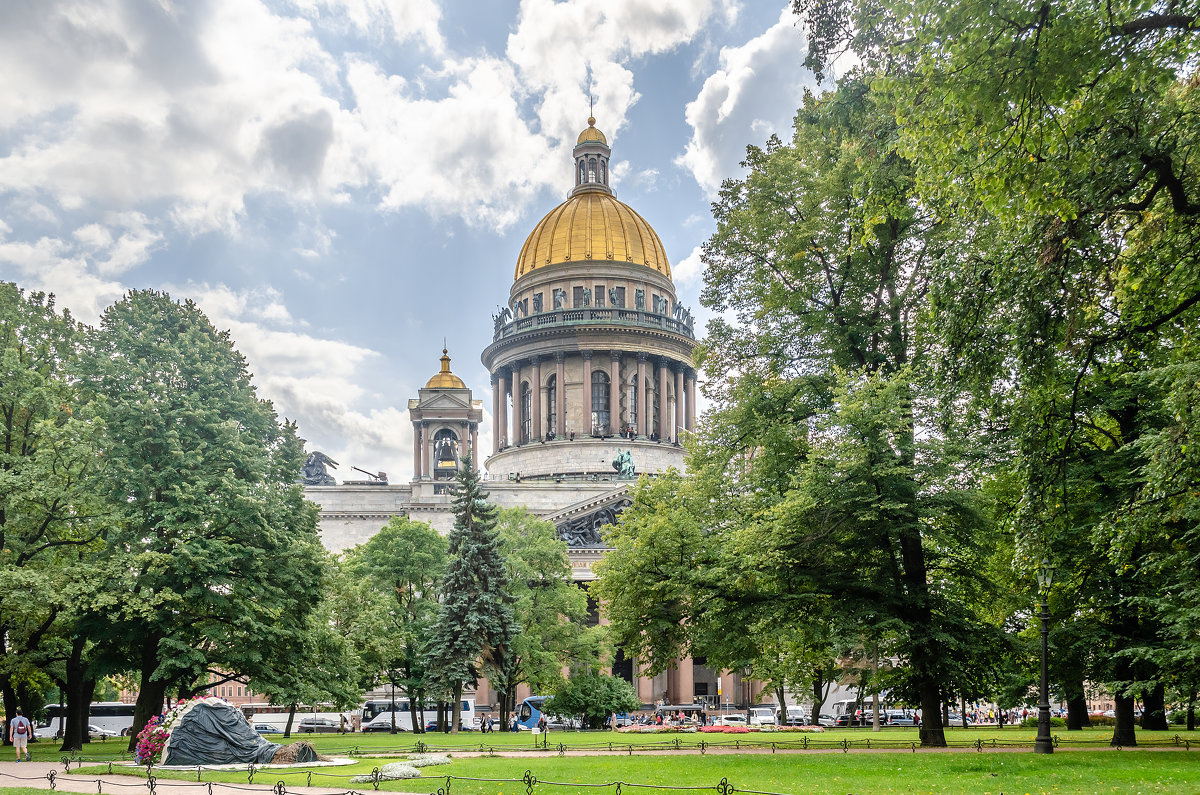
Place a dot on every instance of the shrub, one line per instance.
(1055, 723)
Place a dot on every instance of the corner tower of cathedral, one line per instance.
(592, 354)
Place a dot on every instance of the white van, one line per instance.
(762, 716)
(797, 715)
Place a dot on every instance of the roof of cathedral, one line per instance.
(592, 225)
(591, 133)
(445, 379)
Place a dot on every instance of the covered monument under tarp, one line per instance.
(214, 732)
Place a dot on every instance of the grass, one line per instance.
(1020, 771)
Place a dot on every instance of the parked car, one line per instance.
(317, 726)
(956, 720)
(825, 720)
(382, 723)
(51, 732)
(730, 720)
(266, 728)
(762, 716)
(899, 717)
(100, 733)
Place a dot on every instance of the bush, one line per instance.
(1055, 723)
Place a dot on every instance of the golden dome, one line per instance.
(445, 379)
(591, 133)
(592, 225)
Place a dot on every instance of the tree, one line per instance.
(475, 624)
(214, 563)
(403, 564)
(593, 698)
(550, 610)
(50, 519)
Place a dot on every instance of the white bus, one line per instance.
(377, 715)
(113, 716)
(277, 717)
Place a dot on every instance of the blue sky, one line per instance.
(344, 183)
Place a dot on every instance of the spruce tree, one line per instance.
(475, 623)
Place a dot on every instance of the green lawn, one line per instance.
(901, 772)
(900, 738)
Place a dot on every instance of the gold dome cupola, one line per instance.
(591, 154)
(445, 379)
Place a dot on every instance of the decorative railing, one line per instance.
(560, 318)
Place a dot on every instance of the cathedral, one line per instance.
(593, 383)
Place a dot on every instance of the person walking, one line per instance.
(19, 729)
(543, 729)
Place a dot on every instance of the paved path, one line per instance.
(37, 775)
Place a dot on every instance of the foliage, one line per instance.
(550, 610)
(593, 698)
(392, 584)
(214, 562)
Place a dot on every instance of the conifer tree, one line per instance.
(475, 623)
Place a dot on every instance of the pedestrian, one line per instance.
(543, 729)
(19, 729)
(514, 724)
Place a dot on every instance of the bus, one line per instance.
(529, 711)
(277, 716)
(377, 715)
(114, 716)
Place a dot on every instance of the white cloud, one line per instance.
(753, 94)
(404, 19)
(688, 271)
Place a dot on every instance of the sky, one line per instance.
(345, 185)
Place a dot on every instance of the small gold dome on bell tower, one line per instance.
(445, 379)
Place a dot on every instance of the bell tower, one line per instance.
(445, 426)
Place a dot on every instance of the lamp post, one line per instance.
(1043, 744)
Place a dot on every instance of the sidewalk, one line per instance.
(38, 776)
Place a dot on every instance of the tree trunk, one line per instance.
(1154, 709)
(78, 690)
(817, 688)
(962, 711)
(456, 710)
(151, 694)
(782, 705)
(287, 728)
(1077, 713)
(1191, 713)
(1123, 732)
(416, 715)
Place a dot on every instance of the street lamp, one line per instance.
(1043, 744)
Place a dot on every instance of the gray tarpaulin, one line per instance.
(217, 734)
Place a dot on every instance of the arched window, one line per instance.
(582, 172)
(551, 404)
(604, 171)
(633, 402)
(600, 411)
(445, 453)
(591, 169)
(526, 413)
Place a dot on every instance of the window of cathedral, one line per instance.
(599, 295)
(577, 297)
(633, 402)
(600, 410)
(526, 413)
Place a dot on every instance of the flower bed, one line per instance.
(153, 739)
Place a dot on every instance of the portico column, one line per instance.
(664, 408)
(687, 687)
(474, 426)
(691, 401)
(416, 451)
(675, 431)
(587, 393)
(614, 393)
(560, 394)
(537, 398)
(518, 410)
(642, 414)
(464, 437)
(426, 449)
(502, 437)
(495, 413)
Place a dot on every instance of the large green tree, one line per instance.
(51, 520)
(475, 625)
(214, 563)
(1069, 130)
(403, 565)
(551, 611)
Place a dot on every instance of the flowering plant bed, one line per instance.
(639, 729)
(153, 738)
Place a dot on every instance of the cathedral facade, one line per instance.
(593, 383)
